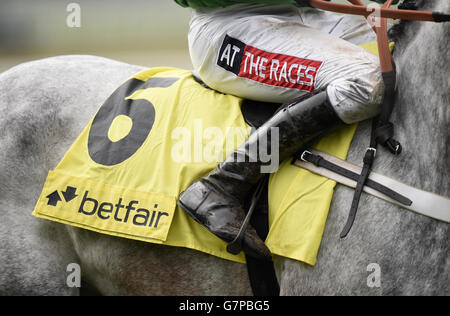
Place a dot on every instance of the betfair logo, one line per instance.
(122, 211)
(54, 197)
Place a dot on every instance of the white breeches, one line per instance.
(275, 53)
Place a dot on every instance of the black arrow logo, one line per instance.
(69, 194)
(53, 198)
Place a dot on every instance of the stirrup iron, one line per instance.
(235, 246)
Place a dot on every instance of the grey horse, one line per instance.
(45, 104)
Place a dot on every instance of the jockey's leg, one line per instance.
(280, 57)
(216, 201)
(266, 53)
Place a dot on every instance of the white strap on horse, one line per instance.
(423, 202)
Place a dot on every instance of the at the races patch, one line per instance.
(266, 67)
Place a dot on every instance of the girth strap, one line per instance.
(423, 202)
(320, 161)
(261, 273)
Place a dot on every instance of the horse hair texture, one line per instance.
(45, 104)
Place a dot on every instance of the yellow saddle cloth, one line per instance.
(154, 136)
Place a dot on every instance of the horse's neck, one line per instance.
(422, 110)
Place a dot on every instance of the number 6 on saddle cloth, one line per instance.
(382, 130)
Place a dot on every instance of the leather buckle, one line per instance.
(302, 157)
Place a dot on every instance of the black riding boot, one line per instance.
(216, 201)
